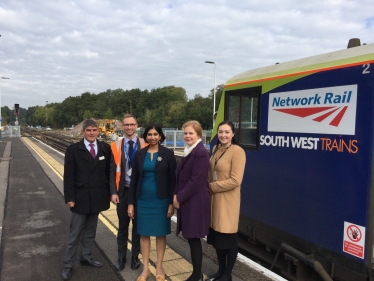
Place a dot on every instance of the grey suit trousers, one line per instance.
(83, 229)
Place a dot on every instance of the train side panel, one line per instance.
(309, 181)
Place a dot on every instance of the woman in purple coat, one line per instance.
(191, 196)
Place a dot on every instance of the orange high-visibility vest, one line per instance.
(116, 151)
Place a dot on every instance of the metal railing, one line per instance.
(11, 131)
(174, 139)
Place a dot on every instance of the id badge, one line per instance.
(214, 176)
(129, 172)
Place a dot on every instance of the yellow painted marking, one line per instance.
(43, 155)
(176, 267)
(108, 225)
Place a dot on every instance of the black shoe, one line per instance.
(200, 279)
(120, 265)
(214, 277)
(91, 262)
(135, 263)
(66, 273)
(225, 278)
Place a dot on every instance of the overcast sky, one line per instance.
(51, 50)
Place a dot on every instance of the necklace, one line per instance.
(216, 159)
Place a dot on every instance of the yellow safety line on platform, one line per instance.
(176, 267)
(41, 152)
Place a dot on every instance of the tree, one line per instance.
(108, 114)
(6, 114)
(219, 91)
(167, 106)
(200, 109)
(87, 115)
(176, 114)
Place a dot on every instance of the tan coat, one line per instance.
(225, 199)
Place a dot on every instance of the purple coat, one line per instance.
(192, 193)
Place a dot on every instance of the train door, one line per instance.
(242, 107)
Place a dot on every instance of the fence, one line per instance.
(174, 139)
(11, 132)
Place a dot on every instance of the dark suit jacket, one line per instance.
(165, 172)
(86, 180)
(192, 193)
(122, 181)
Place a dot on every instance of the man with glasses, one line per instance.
(123, 152)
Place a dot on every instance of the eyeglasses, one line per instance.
(128, 125)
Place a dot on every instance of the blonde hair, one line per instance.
(195, 125)
(128, 115)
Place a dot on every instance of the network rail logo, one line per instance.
(329, 110)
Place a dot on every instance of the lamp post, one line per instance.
(214, 89)
(1, 118)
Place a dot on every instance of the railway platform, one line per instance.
(34, 221)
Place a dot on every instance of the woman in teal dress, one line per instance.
(151, 191)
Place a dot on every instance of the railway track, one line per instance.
(61, 141)
(57, 141)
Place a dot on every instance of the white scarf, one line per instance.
(188, 149)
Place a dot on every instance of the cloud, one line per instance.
(55, 49)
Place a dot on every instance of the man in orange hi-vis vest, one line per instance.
(120, 172)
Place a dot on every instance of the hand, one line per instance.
(175, 202)
(210, 189)
(115, 199)
(71, 204)
(130, 210)
(170, 211)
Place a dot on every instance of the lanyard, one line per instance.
(129, 159)
(216, 160)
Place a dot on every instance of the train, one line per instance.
(307, 196)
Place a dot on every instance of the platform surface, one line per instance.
(35, 222)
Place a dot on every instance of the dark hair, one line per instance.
(157, 128)
(226, 122)
(88, 123)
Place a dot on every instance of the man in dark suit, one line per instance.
(86, 190)
(123, 152)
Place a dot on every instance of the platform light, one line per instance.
(0, 103)
(214, 90)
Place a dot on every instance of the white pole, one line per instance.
(214, 94)
(214, 89)
(0, 100)
(0, 108)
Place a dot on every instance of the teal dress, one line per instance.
(151, 210)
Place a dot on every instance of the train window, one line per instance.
(243, 109)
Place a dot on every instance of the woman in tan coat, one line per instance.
(226, 171)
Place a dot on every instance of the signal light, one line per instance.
(16, 107)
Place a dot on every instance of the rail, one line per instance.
(55, 140)
(60, 142)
